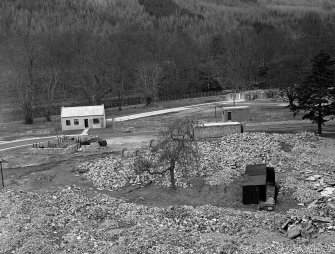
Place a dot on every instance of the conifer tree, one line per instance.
(316, 95)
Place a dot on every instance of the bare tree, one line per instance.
(24, 97)
(49, 82)
(176, 150)
(290, 71)
(148, 75)
(96, 70)
(24, 53)
(239, 64)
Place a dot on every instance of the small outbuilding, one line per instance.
(236, 114)
(216, 130)
(78, 118)
(259, 184)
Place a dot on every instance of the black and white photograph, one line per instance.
(167, 126)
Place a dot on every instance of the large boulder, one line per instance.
(294, 231)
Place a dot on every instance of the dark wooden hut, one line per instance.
(259, 184)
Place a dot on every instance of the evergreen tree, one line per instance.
(316, 96)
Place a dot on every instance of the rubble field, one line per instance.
(72, 220)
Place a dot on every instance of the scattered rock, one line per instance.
(294, 231)
(313, 178)
(286, 223)
(322, 219)
(328, 192)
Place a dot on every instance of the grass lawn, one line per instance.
(266, 111)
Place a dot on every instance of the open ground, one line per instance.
(40, 174)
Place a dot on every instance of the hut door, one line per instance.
(262, 192)
(86, 123)
(250, 195)
(229, 116)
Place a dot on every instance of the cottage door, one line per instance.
(86, 123)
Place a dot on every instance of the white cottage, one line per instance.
(78, 118)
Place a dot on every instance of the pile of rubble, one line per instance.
(224, 160)
(309, 226)
(72, 220)
(319, 214)
(323, 184)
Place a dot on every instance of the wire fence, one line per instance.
(113, 102)
(130, 100)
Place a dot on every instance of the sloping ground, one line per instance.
(79, 220)
(70, 221)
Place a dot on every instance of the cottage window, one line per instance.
(96, 121)
(76, 121)
(68, 122)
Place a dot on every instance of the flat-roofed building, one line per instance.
(236, 114)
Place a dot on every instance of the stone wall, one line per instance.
(68, 150)
(216, 130)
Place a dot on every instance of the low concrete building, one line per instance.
(78, 118)
(236, 114)
(216, 130)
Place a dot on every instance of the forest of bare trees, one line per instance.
(59, 52)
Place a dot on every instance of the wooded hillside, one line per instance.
(56, 52)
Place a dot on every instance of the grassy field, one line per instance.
(260, 111)
(41, 127)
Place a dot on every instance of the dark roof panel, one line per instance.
(254, 180)
(256, 169)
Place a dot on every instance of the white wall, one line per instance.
(216, 131)
(81, 125)
(237, 115)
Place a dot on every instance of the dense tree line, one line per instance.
(60, 51)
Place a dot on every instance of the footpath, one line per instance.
(168, 111)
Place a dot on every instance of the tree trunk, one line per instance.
(28, 113)
(319, 123)
(173, 180)
(148, 100)
(291, 100)
(120, 97)
(319, 127)
(48, 116)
